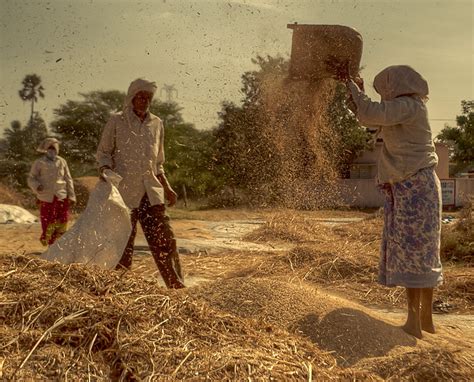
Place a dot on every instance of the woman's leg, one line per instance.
(427, 310)
(47, 222)
(413, 324)
(61, 217)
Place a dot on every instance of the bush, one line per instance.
(14, 172)
(457, 240)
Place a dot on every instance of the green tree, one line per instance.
(79, 124)
(14, 164)
(460, 138)
(243, 154)
(284, 144)
(14, 141)
(189, 159)
(32, 89)
(34, 132)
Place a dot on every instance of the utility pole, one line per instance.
(169, 90)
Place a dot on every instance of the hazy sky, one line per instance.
(203, 47)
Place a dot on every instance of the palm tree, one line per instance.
(32, 88)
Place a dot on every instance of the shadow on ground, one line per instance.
(352, 335)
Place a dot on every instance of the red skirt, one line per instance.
(54, 218)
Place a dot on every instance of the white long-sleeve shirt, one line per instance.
(55, 178)
(407, 142)
(134, 150)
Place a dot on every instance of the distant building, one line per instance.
(365, 166)
(360, 190)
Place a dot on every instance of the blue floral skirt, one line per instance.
(409, 254)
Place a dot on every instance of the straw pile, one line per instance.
(8, 195)
(81, 323)
(323, 253)
(345, 257)
(423, 364)
(333, 324)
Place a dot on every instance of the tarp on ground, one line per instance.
(100, 234)
(14, 214)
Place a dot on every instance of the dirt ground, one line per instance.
(310, 273)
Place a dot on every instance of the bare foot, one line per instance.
(413, 330)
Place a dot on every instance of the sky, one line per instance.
(203, 47)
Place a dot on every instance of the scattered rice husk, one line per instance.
(423, 364)
(347, 330)
(346, 257)
(74, 322)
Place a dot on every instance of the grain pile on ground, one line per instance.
(344, 329)
(356, 336)
(323, 253)
(74, 322)
(345, 257)
(422, 364)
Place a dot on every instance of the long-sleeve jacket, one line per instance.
(55, 178)
(403, 119)
(134, 150)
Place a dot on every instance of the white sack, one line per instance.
(15, 214)
(100, 234)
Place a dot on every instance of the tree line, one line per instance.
(232, 162)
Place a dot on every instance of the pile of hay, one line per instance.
(80, 323)
(323, 253)
(8, 195)
(422, 364)
(345, 329)
(71, 322)
(345, 257)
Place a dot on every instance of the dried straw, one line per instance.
(82, 323)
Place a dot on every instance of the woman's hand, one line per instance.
(359, 81)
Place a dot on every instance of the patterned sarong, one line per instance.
(409, 254)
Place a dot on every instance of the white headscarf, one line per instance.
(140, 84)
(400, 80)
(47, 143)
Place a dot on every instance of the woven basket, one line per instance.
(314, 46)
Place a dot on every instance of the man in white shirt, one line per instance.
(132, 145)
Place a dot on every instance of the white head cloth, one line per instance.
(47, 143)
(398, 80)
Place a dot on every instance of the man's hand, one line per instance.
(40, 188)
(101, 172)
(171, 196)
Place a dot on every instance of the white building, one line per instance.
(360, 189)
